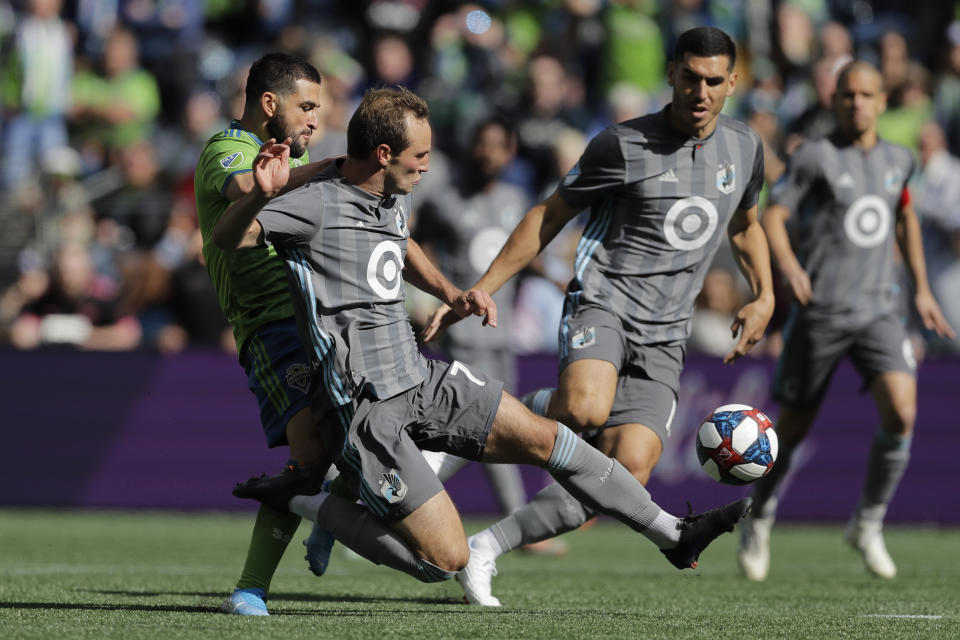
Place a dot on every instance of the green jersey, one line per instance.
(251, 284)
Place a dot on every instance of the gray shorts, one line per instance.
(648, 375)
(452, 410)
(812, 351)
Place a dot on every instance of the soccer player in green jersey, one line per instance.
(282, 100)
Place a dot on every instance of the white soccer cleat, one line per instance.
(476, 577)
(867, 538)
(754, 552)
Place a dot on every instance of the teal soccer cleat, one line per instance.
(246, 602)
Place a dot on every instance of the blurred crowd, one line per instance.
(107, 103)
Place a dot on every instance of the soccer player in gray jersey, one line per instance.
(344, 237)
(849, 195)
(660, 190)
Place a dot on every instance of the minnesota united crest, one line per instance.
(584, 338)
(392, 487)
(727, 178)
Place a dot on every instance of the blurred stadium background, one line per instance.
(106, 104)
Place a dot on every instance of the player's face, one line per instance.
(858, 100)
(296, 116)
(700, 87)
(404, 169)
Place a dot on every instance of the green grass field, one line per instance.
(149, 575)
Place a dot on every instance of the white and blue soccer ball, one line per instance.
(736, 444)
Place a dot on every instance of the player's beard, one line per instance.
(279, 130)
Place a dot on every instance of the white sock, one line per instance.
(663, 531)
(486, 539)
(308, 506)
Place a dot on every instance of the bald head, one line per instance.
(860, 67)
(858, 100)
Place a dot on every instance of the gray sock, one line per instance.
(552, 511)
(357, 529)
(889, 456)
(507, 486)
(538, 401)
(604, 484)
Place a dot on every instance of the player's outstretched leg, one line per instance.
(600, 482)
(348, 522)
(700, 529)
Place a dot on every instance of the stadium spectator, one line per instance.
(115, 105)
(79, 308)
(35, 101)
(461, 228)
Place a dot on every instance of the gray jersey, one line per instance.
(466, 232)
(659, 205)
(345, 249)
(845, 200)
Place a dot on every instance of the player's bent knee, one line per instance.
(449, 558)
(583, 413)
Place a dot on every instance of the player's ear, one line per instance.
(670, 70)
(269, 103)
(384, 154)
(732, 83)
(882, 101)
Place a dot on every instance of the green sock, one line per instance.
(272, 533)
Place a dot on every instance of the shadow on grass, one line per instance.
(90, 606)
(283, 596)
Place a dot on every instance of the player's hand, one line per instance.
(476, 302)
(800, 286)
(271, 166)
(750, 323)
(438, 322)
(932, 316)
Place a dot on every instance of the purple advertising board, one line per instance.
(140, 430)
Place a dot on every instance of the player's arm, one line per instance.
(238, 228)
(419, 271)
(911, 247)
(244, 183)
(752, 253)
(775, 225)
(536, 229)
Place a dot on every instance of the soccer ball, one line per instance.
(736, 444)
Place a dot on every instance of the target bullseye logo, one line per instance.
(690, 223)
(867, 221)
(383, 270)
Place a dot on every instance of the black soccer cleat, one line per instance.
(698, 530)
(276, 491)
